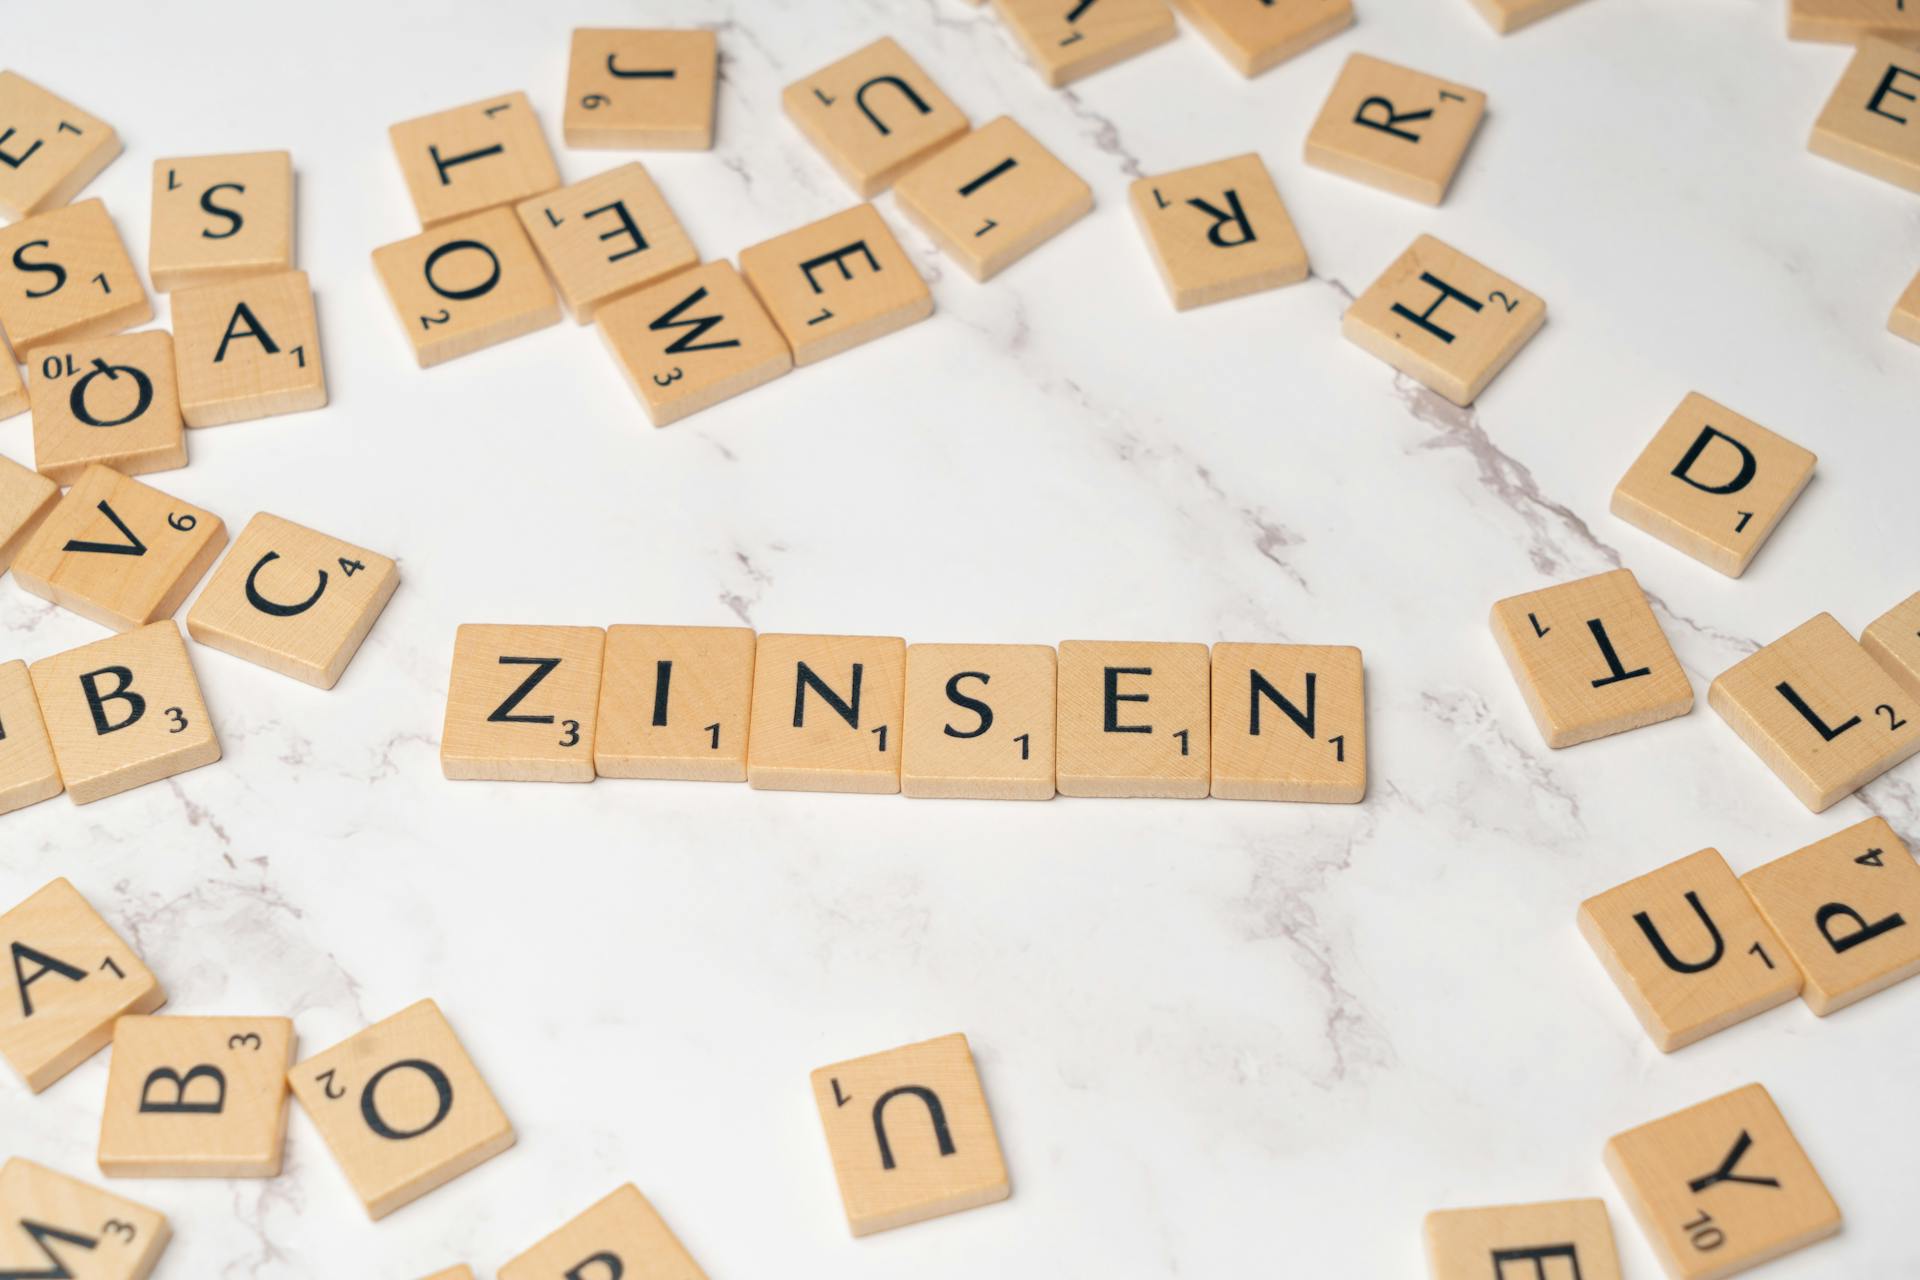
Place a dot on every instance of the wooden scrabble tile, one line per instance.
(26, 499)
(630, 89)
(196, 1098)
(1905, 320)
(476, 157)
(28, 773)
(1713, 484)
(1822, 714)
(607, 235)
(1688, 950)
(123, 712)
(462, 1272)
(620, 1236)
(1218, 231)
(1893, 641)
(873, 115)
(993, 197)
(1508, 16)
(980, 722)
(1134, 719)
(1872, 121)
(1395, 128)
(466, 285)
(64, 274)
(111, 401)
(402, 1108)
(1590, 659)
(1259, 36)
(49, 148)
(521, 703)
(1444, 320)
(1289, 723)
(827, 713)
(1068, 39)
(53, 1226)
(219, 218)
(1722, 1186)
(72, 978)
(1518, 1241)
(248, 349)
(836, 283)
(1847, 909)
(1849, 21)
(910, 1135)
(13, 388)
(293, 600)
(674, 703)
(119, 552)
(691, 341)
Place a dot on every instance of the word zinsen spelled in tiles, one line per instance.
(52, 148)
(633, 89)
(1218, 231)
(620, 1236)
(65, 275)
(873, 115)
(219, 218)
(53, 1226)
(111, 401)
(196, 1098)
(1395, 129)
(1522, 1241)
(1872, 121)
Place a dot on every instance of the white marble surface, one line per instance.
(1220, 1039)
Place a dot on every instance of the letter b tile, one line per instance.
(196, 1098)
(1563, 1238)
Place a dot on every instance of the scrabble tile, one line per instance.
(119, 552)
(631, 89)
(1134, 719)
(13, 388)
(466, 285)
(521, 703)
(1256, 37)
(1522, 1242)
(248, 349)
(1893, 641)
(836, 283)
(196, 1098)
(28, 773)
(607, 235)
(1590, 659)
(1822, 714)
(1068, 39)
(1847, 909)
(827, 713)
(220, 218)
(111, 401)
(1688, 950)
(1508, 16)
(1872, 121)
(619, 1236)
(26, 499)
(402, 1108)
(1849, 21)
(476, 157)
(123, 712)
(72, 978)
(1289, 723)
(1444, 320)
(980, 722)
(674, 703)
(1218, 231)
(1713, 484)
(293, 600)
(992, 198)
(691, 341)
(65, 275)
(873, 115)
(910, 1135)
(460, 1272)
(49, 148)
(1905, 320)
(52, 1226)
(1395, 128)
(1722, 1186)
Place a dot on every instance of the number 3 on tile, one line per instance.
(573, 733)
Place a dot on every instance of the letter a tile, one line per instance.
(630, 89)
(1872, 121)
(248, 349)
(65, 275)
(466, 285)
(692, 341)
(980, 722)
(674, 703)
(1134, 719)
(1289, 723)
(1066, 40)
(836, 283)
(28, 773)
(1395, 128)
(993, 197)
(461, 161)
(874, 114)
(1218, 231)
(196, 1098)
(1893, 641)
(112, 401)
(620, 1236)
(522, 703)
(48, 1216)
(1519, 1241)
(826, 713)
(49, 148)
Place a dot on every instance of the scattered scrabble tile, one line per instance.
(1872, 121)
(13, 388)
(674, 703)
(293, 600)
(1508, 16)
(1590, 659)
(631, 89)
(476, 157)
(691, 341)
(836, 283)
(1713, 484)
(119, 552)
(123, 712)
(1562, 1237)
(111, 401)
(26, 499)
(979, 722)
(1822, 714)
(1066, 41)
(1256, 37)
(1905, 320)
(1893, 640)
(826, 713)
(910, 1135)
(1722, 1186)
(248, 349)
(1218, 231)
(1848, 21)
(402, 1108)
(1444, 320)
(466, 285)
(1289, 723)
(51, 1224)
(28, 773)
(993, 197)
(49, 148)
(620, 1236)
(196, 1098)
(607, 235)
(521, 703)
(72, 978)
(873, 115)
(219, 218)
(1395, 128)
(65, 275)
(1134, 719)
